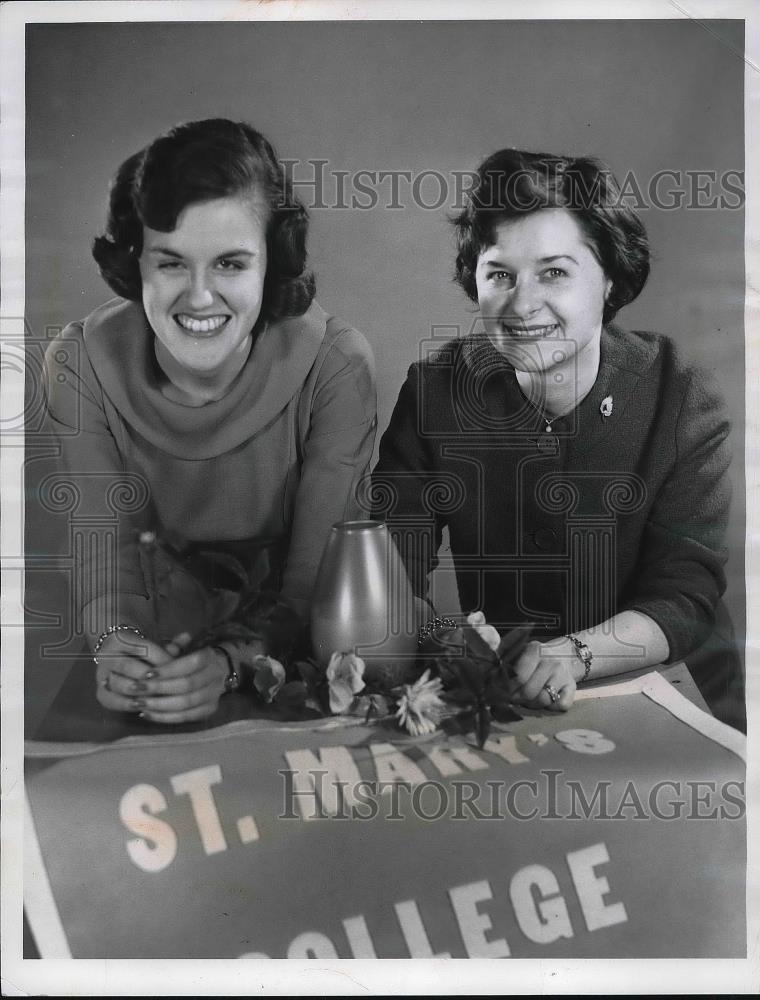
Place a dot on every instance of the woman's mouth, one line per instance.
(535, 332)
(200, 326)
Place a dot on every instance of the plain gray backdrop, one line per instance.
(644, 95)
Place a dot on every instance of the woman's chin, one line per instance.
(533, 355)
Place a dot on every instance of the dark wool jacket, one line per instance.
(564, 528)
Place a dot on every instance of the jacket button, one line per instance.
(544, 539)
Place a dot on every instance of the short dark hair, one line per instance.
(197, 162)
(512, 183)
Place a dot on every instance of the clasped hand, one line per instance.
(545, 676)
(158, 682)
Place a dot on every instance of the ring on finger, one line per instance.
(552, 692)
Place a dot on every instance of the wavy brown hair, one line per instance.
(196, 162)
(512, 183)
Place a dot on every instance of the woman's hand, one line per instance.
(160, 683)
(126, 661)
(545, 675)
(188, 688)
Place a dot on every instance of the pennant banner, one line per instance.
(615, 830)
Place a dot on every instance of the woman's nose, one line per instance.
(524, 300)
(200, 294)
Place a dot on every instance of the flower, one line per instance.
(420, 707)
(486, 632)
(269, 676)
(345, 673)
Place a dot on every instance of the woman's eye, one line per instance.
(226, 264)
(169, 265)
(555, 272)
(502, 277)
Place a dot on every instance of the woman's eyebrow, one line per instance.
(237, 252)
(164, 250)
(497, 262)
(557, 256)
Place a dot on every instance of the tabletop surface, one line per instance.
(76, 715)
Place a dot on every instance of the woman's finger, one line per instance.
(163, 704)
(124, 659)
(183, 713)
(178, 677)
(129, 668)
(177, 718)
(162, 686)
(549, 696)
(120, 684)
(566, 696)
(531, 689)
(185, 665)
(175, 646)
(527, 662)
(116, 702)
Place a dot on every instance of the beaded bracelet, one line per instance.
(110, 631)
(584, 654)
(429, 627)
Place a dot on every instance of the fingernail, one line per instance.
(139, 686)
(149, 675)
(138, 703)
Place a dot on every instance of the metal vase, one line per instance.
(364, 602)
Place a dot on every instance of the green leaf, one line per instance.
(310, 674)
(218, 570)
(459, 696)
(292, 695)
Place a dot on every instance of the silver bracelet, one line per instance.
(584, 654)
(429, 627)
(110, 631)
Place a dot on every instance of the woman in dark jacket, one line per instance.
(580, 468)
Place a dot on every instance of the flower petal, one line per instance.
(269, 677)
(341, 696)
(486, 632)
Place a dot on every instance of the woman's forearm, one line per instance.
(107, 610)
(629, 641)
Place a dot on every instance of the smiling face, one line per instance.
(541, 292)
(202, 288)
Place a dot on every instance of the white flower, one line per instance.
(269, 676)
(486, 632)
(344, 678)
(420, 707)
